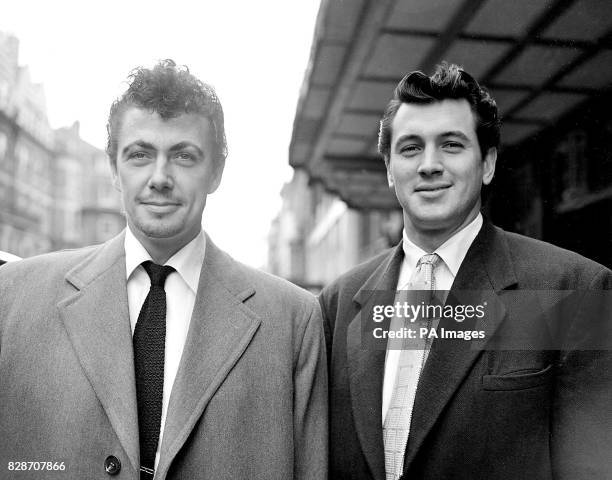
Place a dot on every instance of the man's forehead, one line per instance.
(138, 116)
(139, 121)
(434, 118)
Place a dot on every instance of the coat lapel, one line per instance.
(486, 269)
(97, 321)
(221, 329)
(366, 365)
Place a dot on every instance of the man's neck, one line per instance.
(160, 255)
(430, 240)
(162, 249)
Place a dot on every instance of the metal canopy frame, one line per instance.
(540, 61)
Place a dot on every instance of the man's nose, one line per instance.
(430, 162)
(161, 176)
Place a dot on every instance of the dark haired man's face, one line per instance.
(436, 167)
(164, 171)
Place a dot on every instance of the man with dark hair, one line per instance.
(156, 355)
(530, 398)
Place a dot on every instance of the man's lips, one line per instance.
(161, 206)
(159, 203)
(432, 188)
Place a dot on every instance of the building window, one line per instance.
(3, 94)
(23, 161)
(3, 145)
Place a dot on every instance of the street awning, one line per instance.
(539, 59)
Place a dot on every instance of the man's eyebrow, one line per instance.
(138, 143)
(150, 146)
(455, 133)
(409, 137)
(184, 145)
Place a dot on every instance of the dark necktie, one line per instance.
(149, 342)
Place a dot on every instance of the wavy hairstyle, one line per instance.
(169, 91)
(449, 81)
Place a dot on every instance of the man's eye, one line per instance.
(138, 156)
(452, 146)
(185, 157)
(409, 149)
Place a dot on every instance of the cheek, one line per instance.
(403, 174)
(195, 191)
(470, 178)
(130, 186)
(132, 178)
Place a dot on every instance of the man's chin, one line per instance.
(441, 220)
(434, 221)
(433, 216)
(158, 230)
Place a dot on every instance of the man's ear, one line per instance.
(390, 180)
(115, 175)
(217, 174)
(488, 165)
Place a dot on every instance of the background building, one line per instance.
(51, 182)
(316, 236)
(548, 64)
(87, 206)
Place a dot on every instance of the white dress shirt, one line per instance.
(452, 252)
(181, 288)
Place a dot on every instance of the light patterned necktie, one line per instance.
(411, 361)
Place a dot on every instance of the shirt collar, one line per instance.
(452, 252)
(187, 261)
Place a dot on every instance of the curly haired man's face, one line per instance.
(164, 171)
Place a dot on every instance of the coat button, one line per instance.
(112, 465)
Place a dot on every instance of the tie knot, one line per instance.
(157, 273)
(429, 259)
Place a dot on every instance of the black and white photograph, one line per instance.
(307, 239)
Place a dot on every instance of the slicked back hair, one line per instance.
(169, 91)
(449, 81)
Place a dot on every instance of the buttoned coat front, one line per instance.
(250, 396)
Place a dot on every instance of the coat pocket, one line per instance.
(517, 381)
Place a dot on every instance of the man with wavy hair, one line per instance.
(156, 355)
(530, 397)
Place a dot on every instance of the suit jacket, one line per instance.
(249, 400)
(533, 411)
